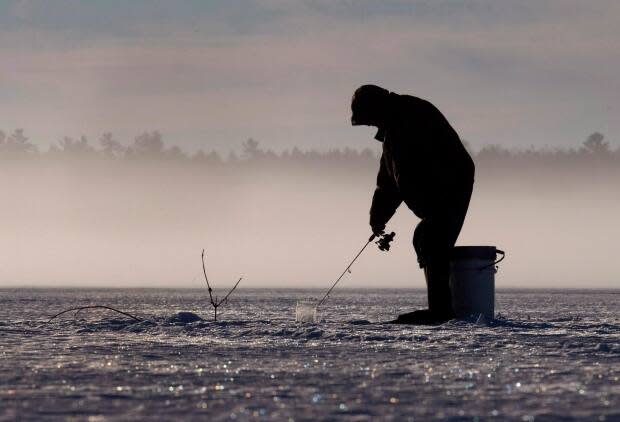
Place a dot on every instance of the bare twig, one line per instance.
(231, 290)
(204, 271)
(93, 307)
(215, 302)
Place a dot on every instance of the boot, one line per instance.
(440, 310)
(437, 274)
(419, 317)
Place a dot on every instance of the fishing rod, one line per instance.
(384, 245)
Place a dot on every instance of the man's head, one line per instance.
(369, 105)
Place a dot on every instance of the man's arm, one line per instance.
(385, 200)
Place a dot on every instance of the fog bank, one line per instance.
(144, 222)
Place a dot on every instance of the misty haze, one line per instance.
(137, 213)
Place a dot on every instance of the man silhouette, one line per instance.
(425, 165)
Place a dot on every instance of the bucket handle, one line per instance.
(497, 251)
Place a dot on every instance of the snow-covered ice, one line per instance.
(550, 355)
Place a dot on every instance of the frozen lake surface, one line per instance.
(550, 355)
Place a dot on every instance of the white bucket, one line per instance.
(472, 280)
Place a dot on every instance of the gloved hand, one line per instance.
(378, 230)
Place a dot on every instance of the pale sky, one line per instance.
(210, 74)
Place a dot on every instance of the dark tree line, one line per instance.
(150, 146)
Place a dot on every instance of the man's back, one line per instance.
(423, 153)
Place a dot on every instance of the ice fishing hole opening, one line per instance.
(305, 312)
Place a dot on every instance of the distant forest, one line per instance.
(595, 152)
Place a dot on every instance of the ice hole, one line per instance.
(305, 312)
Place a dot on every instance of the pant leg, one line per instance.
(436, 235)
(433, 240)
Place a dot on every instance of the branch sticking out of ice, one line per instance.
(215, 302)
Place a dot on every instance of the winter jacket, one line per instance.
(423, 164)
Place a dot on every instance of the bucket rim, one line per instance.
(475, 252)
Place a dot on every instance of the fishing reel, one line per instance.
(384, 241)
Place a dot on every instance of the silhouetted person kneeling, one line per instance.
(425, 165)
